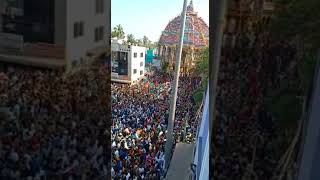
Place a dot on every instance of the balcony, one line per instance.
(179, 167)
(14, 50)
(33, 31)
(196, 153)
(44, 50)
(233, 5)
(120, 78)
(268, 6)
(36, 50)
(237, 8)
(201, 156)
(308, 162)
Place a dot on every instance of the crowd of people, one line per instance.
(243, 143)
(55, 127)
(139, 117)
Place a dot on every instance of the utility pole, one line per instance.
(169, 135)
(219, 9)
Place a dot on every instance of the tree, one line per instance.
(153, 45)
(139, 42)
(146, 41)
(202, 69)
(202, 66)
(130, 39)
(118, 32)
(165, 66)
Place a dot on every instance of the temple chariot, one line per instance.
(196, 38)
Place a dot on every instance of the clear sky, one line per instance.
(150, 17)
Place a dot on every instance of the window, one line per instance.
(141, 54)
(98, 33)
(75, 30)
(74, 63)
(81, 28)
(141, 72)
(99, 6)
(123, 63)
(135, 71)
(134, 55)
(78, 29)
(114, 55)
(141, 64)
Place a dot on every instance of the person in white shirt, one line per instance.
(116, 153)
(112, 172)
(113, 144)
(128, 176)
(141, 170)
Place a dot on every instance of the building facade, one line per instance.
(127, 62)
(309, 158)
(54, 32)
(245, 20)
(202, 155)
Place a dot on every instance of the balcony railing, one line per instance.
(268, 6)
(36, 50)
(126, 78)
(201, 156)
(45, 50)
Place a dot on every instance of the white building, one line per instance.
(64, 33)
(127, 62)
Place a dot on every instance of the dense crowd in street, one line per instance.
(245, 130)
(56, 124)
(140, 114)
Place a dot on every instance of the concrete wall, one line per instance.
(135, 62)
(201, 158)
(108, 23)
(0, 19)
(310, 162)
(85, 11)
(1, 10)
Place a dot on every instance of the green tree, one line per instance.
(202, 66)
(146, 41)
(154, 45)
(118, 32)
(139, 42)
(165, 66)
(131, 39)
(202, 69)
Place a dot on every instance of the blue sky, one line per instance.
(150, 17)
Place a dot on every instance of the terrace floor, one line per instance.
(181, 161)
